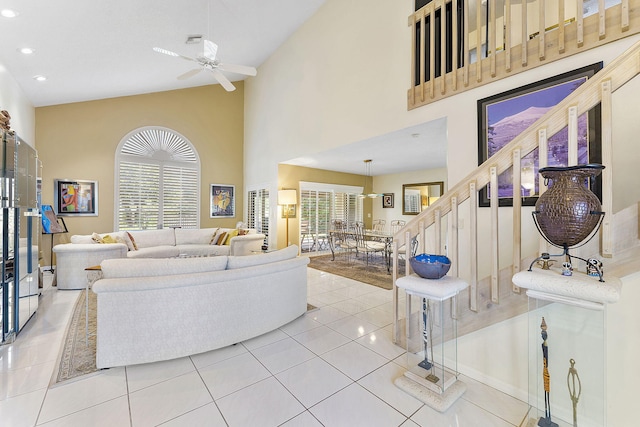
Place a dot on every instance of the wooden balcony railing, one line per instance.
(429, 225)
(457, 45)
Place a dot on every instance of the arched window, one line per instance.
(157, 181)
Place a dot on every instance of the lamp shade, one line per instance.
(287, 197)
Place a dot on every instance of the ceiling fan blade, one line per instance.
(170, 53)
(210, 49)
(240, 69)
(189, 73)
(224, 82)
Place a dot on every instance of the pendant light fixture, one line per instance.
(367, 177)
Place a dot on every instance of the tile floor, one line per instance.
(334, 366)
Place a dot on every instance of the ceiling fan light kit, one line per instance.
(208, 61)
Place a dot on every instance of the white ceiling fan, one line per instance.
(208, 61)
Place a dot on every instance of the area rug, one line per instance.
(77, 357)
(373, 274)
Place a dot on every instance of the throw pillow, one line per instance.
(108, 239)
(231, 234)
(133, 247)
(96, 238)
(214, 236)
(243, 231)
(221, 239)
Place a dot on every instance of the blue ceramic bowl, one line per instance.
(430, 266)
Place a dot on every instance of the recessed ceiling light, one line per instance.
(26, 50)
(39, 78)
(8, 13)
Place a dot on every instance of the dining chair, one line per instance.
(379, 225)
(368, 246)
(396, 225)
(347, 242)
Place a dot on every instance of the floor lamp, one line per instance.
(287, 198)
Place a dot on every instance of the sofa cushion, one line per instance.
(234, 262)
(115, 268)
(191, 236)
(203, 250)
(150, 238)
(155, 252)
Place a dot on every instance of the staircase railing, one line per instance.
(458, 45)
(445, 211)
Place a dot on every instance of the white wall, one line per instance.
(22, 112)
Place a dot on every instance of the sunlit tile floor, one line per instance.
(334, 366)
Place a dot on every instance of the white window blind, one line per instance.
(258, 211)
(157, 181)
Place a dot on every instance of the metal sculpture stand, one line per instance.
(546, 420)
(574, 389)
(427, 334)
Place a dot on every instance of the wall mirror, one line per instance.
(417, 197)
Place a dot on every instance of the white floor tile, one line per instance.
(380, 342)
(148, 374)
(322, 339)
(161, 402)
(354, 360)
(376, 316)
(351, 306)
(352, 327)
(380, 383)
(21, 410)
(210, 357)
(265, 339)
(25, 380)
(305, 419)
(355, 406)
(494, 401)
(76, 395)
(312, 381)
(327, 314)
(108, 414)
(266, 403)
(205, 416)
(282, 355)
(301, 324)
(461, 413)
(231, 375)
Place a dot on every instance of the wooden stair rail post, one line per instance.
(473, 244)
(607, 173)
(517, 215)
(494, 203)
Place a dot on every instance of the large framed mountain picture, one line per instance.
(504, 116)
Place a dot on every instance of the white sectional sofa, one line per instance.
(83, 251)
(151, 310)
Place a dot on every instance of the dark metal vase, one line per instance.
(568, 212)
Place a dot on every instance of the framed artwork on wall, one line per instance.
(51, 224)
(223, 201)
(387, 200)
(75, 197)
(504, 116)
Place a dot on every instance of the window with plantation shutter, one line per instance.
(320, 205)
(258, 211)
(157, 181)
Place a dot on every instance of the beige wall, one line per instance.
(79, 141)
(290, 177)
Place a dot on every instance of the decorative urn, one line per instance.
(568, 212)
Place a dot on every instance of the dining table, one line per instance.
(370, 235)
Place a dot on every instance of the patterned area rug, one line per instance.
(77, 358)
(373, 274)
